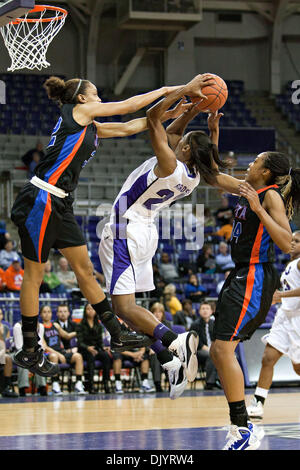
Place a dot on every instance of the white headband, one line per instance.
(77, 89)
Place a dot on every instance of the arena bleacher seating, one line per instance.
(287, 107)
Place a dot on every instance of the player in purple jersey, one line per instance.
(129, 240)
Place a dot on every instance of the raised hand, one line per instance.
(251, 195)
(213, 121)
(180, 108)
(197, 83)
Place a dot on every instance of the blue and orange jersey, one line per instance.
(250, 241)
(52, 337)
(70, 148)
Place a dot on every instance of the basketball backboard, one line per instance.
(11, 9)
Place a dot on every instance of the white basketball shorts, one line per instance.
(127, 262)
(285, 335)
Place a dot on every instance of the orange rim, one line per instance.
(38, 8)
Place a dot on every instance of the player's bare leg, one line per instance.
(183, 345)
(137, 317)
(82, 266)
(270, 357)
(31, 355)
(229, 370)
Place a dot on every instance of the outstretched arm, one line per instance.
(89, 111)
(176, 129)
(221, 180)
(279, 294)
(228, 183)
(107, 130)
(165, 155)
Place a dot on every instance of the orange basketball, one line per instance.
(216, 95)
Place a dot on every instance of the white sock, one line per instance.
(261, 392)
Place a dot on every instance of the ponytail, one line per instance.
(65, 92)
(287, 178)
(203, 154)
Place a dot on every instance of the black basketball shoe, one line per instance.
(128, 339)
(36, 362)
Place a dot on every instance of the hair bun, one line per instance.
(55, 88)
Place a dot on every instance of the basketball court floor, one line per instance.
(133, 421)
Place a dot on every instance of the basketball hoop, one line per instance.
(27, 39)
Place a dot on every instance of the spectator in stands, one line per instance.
(6, 360)
(171, 302)
(13, 276)
(167, 269)
(117, 359)
(209, 220)
(193, 290)
(90, 345)
(2, 280)
(186, 316)
(66, 277)
(2, 355)
(35, 160)
(28, 157)
(223, 259)
(206, 262)
(8, 390)
(225, 231)
(220, 284)
(51, 280)
(52, 344)
(117, 365)
(159, 282)
(4, 235)
(204, 327)
(224, 213)
(63, 317)
(23, 374)
(194, 222)
(8, 255)
(158, 311)
(140, 358)
(4, 328)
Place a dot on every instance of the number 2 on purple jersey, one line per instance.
(164, 194)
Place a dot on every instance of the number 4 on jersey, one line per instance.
(236, 231)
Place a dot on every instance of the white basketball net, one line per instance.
(27, 42)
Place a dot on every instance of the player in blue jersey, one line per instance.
(268, 197)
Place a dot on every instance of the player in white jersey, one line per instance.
(284, 336)
(129, 240)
